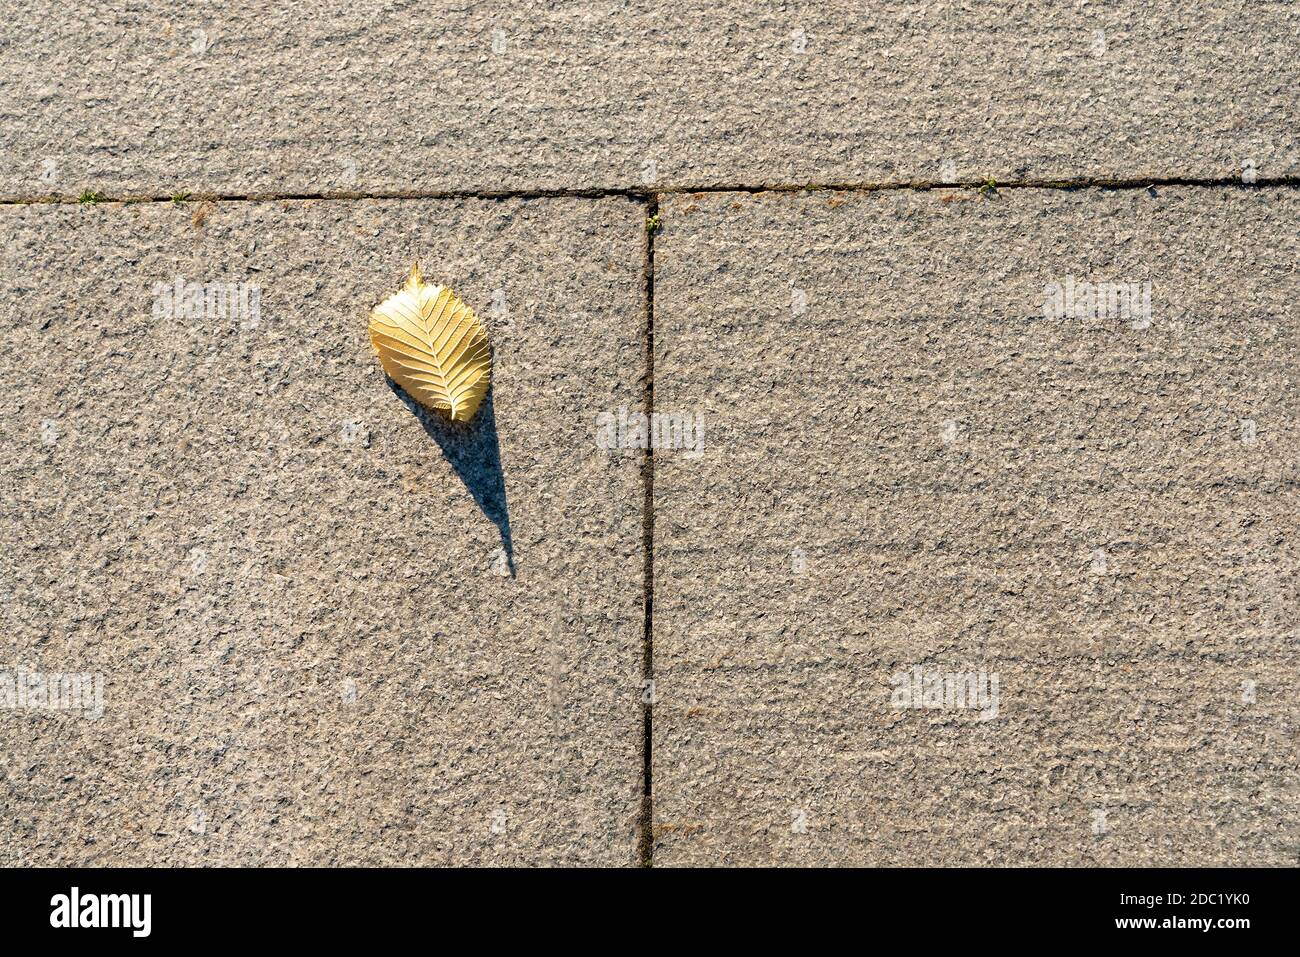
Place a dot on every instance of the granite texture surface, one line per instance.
(330, 97)
(298, 594)
(911, 468)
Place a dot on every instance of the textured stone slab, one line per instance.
(327, 97)
(312, 647)
(907, 464)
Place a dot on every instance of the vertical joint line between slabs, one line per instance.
(647, 823)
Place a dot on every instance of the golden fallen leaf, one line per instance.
(433, 346)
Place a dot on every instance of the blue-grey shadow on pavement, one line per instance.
(474, 452)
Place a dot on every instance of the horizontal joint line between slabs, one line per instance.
(645, 195)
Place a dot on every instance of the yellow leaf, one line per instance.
(433, 346)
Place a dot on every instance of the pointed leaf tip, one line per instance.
(414, 280)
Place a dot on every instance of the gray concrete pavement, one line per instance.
(1043, 437)
(332, 97)
(312, 648)
(908, 465)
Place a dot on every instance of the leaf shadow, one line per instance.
(475, 453)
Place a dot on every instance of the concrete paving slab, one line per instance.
(299, 600)
(307, 98)
(934, 459)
